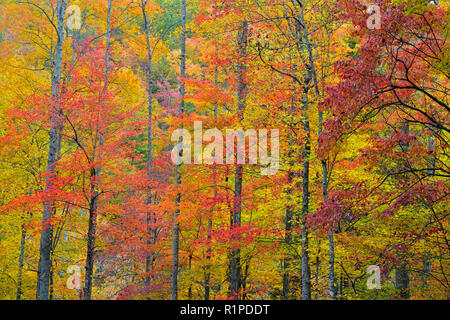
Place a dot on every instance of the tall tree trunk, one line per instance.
(190, 283)
(208, 259)
(306, 275)
(43, 277)
(426, 262)
(431, 161)
(316, 295)
(210, 222)
(331, 276)
(176, 226)
(90, 254)
(305, 270)
(175, 243)
(50, 295)
(289, 210)
(288, 241)
(313, 76)
(235, 221)
(21, 257)
(150, 216)
(309, 74)
(95, 174)
(402, 272)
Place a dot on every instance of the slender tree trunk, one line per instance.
(313, 76)
(426, 262)
(309, 75)
(90, 255)
(316, 296)
(95, 174)
(235, 261)
(210, 222)
(402, 272)
(288, 241)
(306, 275)
(43, 277)
(50, 296)
(235, 221)
(176, 226)
(150, 216)
(244, 278)
(331, 276)
(289, 210)
(208, 260)
(175, 244)
(190, 284)
(21, 257)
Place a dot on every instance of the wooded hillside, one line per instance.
(338, 190)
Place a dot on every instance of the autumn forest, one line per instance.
(224, 149)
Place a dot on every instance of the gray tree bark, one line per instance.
(288, 240)
(313, 76)
(331, 275)
(149, 259)
(235, 219)
(21, 258)
(402, 272)
(305, 270)
(176, 227)
(289, 217)
(45, 246)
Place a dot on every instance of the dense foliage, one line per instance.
(93, 90)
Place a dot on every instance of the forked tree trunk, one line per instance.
(313, 76)
(305, 270)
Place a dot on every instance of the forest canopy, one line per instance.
(210, 150)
